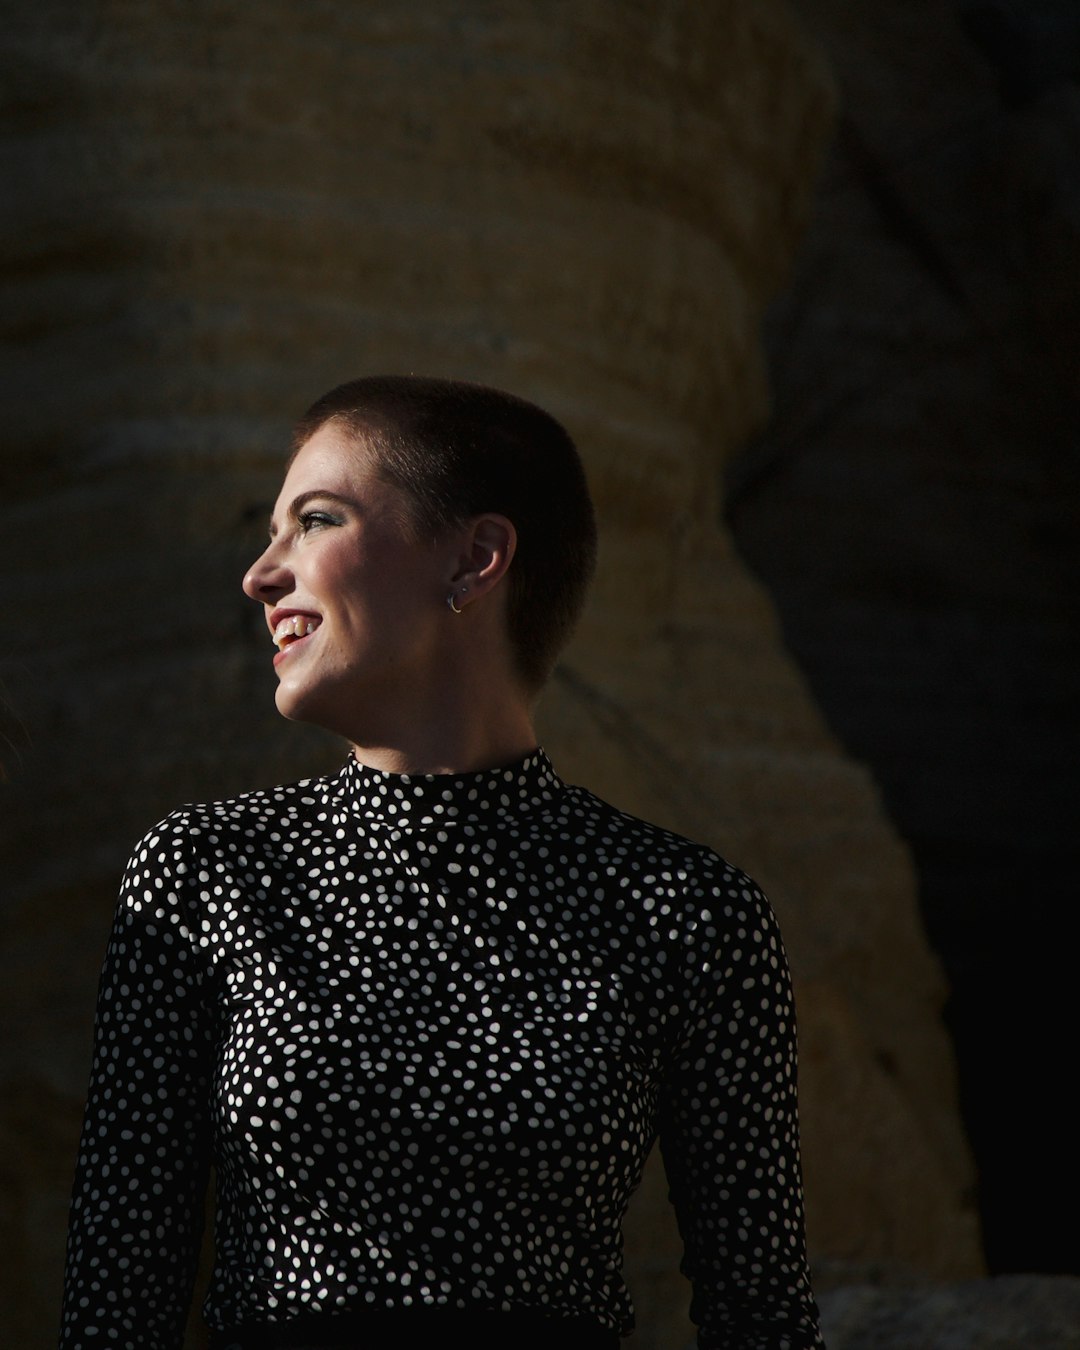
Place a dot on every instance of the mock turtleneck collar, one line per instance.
(415, 801)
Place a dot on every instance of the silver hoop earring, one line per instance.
(450, 600)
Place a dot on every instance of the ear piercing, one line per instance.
(450, 599)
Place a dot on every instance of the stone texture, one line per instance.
(914, 510)
(220, 212)
(1029, 1311)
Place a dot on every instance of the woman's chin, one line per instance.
(292, 704)
(298, 705)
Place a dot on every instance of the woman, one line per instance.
(427, 1014)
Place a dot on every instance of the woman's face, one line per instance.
(355, 604)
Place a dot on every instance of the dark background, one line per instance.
(913, 508)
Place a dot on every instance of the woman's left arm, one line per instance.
(136, 1216)
(729, 1134)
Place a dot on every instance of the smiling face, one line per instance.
(355, 604)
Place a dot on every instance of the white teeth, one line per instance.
(295, 626)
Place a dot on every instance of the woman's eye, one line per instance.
(312, 520)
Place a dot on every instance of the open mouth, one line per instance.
(292, 630)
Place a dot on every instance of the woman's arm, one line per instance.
(136, 1215)
(730, 1139)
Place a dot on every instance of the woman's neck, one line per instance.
(482, 729)
(456, 754)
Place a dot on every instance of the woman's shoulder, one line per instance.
(657, 857)
(282, 808)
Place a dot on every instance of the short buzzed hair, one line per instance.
(459, 450)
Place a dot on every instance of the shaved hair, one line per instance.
(459, 450)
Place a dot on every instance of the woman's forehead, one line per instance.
(333, 455)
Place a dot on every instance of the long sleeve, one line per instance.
(729, 1137)
(427, 1023)
(136, 1216)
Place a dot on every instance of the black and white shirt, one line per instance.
(427, 1029)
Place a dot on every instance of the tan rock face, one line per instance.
(221, 212)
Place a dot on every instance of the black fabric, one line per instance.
(428, 1029)
(411, 1329)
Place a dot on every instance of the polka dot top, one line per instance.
(427, 1029)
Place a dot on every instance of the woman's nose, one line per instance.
(267, 578)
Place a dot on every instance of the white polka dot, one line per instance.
(428, 1028)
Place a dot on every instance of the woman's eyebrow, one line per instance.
(298, 503)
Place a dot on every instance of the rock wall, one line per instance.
(220, 212)
(914, 510)
(1039, 1311)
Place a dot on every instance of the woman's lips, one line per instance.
(294, 626)
(293, 631)
(289, 648)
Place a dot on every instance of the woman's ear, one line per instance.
(486, 553)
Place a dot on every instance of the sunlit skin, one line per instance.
(413, 687)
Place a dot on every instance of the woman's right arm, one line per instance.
(137, 1206)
